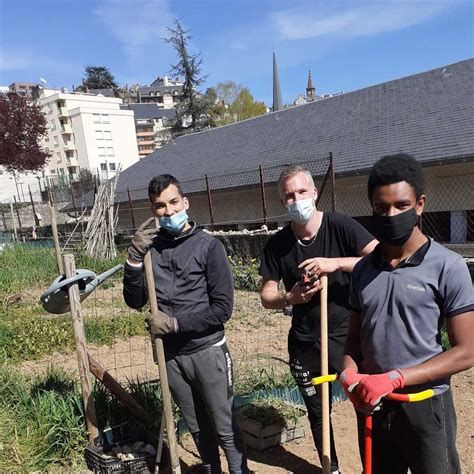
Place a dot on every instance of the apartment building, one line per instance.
(151, 124)
(87, 132)
(164, 92)
(24, 89)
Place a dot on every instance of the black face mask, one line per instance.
(395, 230)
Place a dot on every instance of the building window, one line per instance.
(99, 135)
(112, 167)
(107, 135)
(110, 151)
(53, 125)
(101, 151)
(96, 118)
(58, 156)
(53, 171)
(103, 166)
(56, 141)
(105, 118)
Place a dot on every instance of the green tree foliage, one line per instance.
(235, 103)
(245, 106)
(192, 111)
(22, 127)
(228, 91)
(98, 77)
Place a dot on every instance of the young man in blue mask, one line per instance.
(312, 243)
(194, 290)
(401, 296)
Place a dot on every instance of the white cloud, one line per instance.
(24, 60)
(137, 24)
(356, 19)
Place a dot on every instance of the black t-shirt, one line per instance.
(338, 236)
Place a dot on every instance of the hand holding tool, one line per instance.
(160, 323)
(373, 388)
(142, 240)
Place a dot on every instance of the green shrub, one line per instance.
(245, 274)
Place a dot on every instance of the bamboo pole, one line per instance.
(54, 229)
(326, 461)
(81, 350)
(160, 353)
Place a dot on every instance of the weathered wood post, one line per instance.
(81, 350)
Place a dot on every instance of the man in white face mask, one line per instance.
(312, 243)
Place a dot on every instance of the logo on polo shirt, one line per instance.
(415, 287)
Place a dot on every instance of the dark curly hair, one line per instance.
(159, 183)
(393, 169)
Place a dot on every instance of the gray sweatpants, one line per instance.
(202, 385)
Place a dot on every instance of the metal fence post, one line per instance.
(262, 193)
(333, 182)
(209, 200)
(130, 205)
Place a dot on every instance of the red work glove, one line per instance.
(374, 387)
(349, 379)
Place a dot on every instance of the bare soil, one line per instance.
(257, 340)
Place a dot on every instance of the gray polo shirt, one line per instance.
(402, 309)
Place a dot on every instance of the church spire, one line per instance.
(310, 89)
(277, 102)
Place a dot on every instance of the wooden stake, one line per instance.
(101, 374)
(54, 229)
(165, 390)
(81, 350)
(13, 222)
(326, 461)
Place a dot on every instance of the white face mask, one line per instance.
(301, 211)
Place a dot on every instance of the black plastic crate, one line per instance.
(95, 462)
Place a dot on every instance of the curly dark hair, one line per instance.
(159, 183)
(392, 169)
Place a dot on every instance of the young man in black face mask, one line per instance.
(400, 297)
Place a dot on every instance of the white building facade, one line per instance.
(87, 132)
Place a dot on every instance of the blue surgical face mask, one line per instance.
(301, 211)
(175, 223)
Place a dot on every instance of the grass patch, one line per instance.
(26, 336)
(42, 424)
(252, 381)
(24, 266)
(271, 411)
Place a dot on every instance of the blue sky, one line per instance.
(347, 44)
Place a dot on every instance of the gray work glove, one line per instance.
(142, 240)
(160, 323)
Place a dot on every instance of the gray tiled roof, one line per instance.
(145, 111)
(428, 115)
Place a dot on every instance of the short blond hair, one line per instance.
(290, 172)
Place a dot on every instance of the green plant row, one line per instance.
(26, 336)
